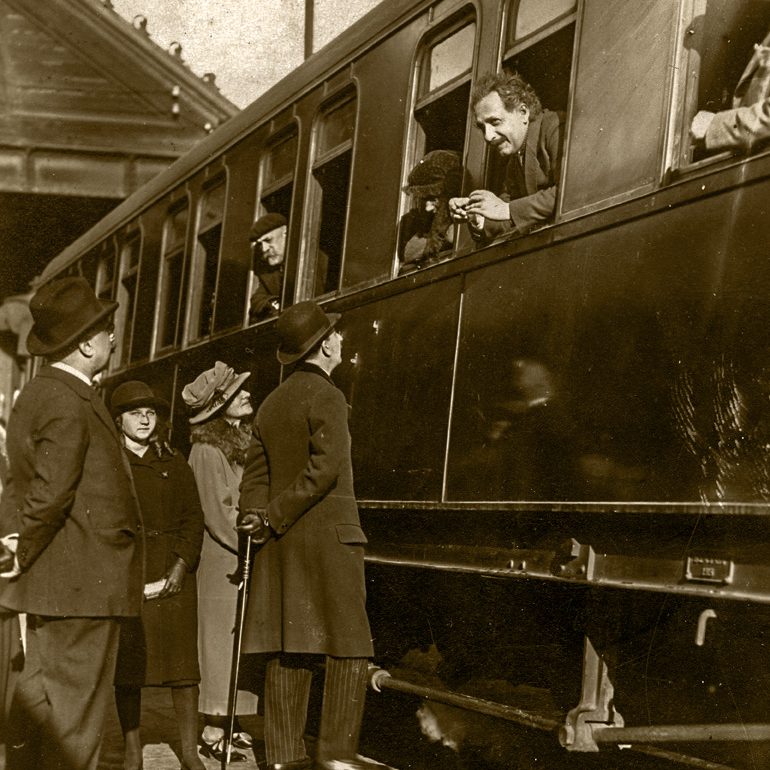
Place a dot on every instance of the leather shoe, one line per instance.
(353, 763)
(298, 764)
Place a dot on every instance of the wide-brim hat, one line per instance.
(211, 390)
(300, 327)
(63, 311)
(133, 394)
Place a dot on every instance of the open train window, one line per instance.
(171, 293)
(539, 44)
(205, 263)
(443, 72)
(126, 296)
(276, 186)
(718, 45)
(329, 191)
(105, 271)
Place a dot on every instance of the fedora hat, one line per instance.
(134, 393)
(62, 312)
(211, 390)
(300, 327)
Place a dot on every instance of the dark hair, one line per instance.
(512, 89)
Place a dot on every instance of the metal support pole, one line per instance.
(595, 709)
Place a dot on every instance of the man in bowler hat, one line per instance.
(307, 602)
(78, 564)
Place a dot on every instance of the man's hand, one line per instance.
(255, 524)
(174, 579)
(457, 209)
(9, 566)
(700, 125)
(486, 204)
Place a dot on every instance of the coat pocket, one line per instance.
(351, 534)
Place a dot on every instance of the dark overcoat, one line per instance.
(307, 589)
(71, 498)
(162, 649)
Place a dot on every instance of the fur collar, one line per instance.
(232, 441)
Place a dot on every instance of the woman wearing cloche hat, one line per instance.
(160, 649)
(219, 407)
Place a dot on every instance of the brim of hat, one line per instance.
(289, 358)
(38, 347)
(157, 402)
(230, 391)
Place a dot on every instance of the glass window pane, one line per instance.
(176, 228)
(213, 207)
(532, 15)
(451, 57)
(172, 293)
(337, 127)
(280, 160)
(105, 276)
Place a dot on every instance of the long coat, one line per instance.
(217, 478)
(531, 183)
(71, 498)
(162, 648)
(307, 588)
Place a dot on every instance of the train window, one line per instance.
(126, 296)
(719, 44)
(276, 186)
(277, 176)
(105, 271)
(171, 292)
(205, 264)
(330, 187)
(443, 84)
(443, 91)
(146, 292)
(619, 102)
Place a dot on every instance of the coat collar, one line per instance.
(85, 392)
(304, 366)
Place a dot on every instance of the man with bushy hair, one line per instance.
(514, 123)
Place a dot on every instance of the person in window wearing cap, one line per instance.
(426, 229)
(160, 649)
(71, 498)
(219, 410)
(307, 599)
(268, 235)
(509, 114)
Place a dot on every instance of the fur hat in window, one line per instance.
(438, 175)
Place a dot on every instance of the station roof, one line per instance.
(89, 104)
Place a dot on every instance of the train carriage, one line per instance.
(561, 439)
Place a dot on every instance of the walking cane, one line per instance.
(240, 617)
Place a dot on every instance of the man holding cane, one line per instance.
(307, 599)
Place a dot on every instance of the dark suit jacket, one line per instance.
(530, 186)
(71, 498)
(307, 590)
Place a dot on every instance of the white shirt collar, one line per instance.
(73, 371)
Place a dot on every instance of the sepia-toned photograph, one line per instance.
(384, 385)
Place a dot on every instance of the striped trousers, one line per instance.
(287, 691)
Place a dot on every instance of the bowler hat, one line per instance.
(300, 327)
(211, 390)
(63, 311)
(134, 393)
(265, 224)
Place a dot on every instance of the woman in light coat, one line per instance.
(220, 436)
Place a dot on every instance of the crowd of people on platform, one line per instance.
(120, 559)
